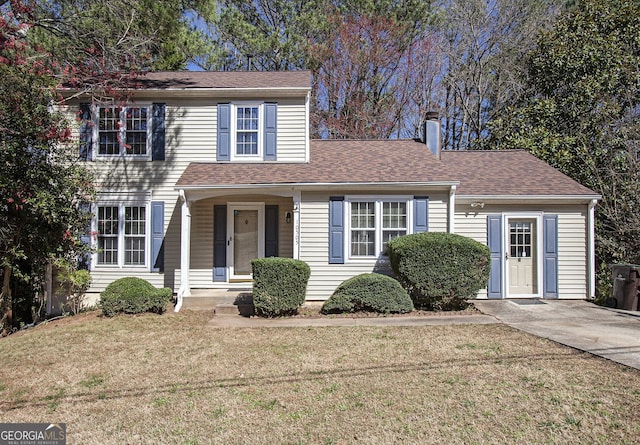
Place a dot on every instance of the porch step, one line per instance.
(242, 305)
(208, 299)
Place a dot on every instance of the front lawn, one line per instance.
(173, 379)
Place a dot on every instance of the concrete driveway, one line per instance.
(608, 333)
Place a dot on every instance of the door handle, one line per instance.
(229, 241)
(506, 256)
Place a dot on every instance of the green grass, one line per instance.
(173, 379)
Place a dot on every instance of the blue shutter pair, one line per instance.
(337, 229)
(157, 138)
(270, 127)
(550, 256)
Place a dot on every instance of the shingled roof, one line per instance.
(482, 173)
(508, 173)
(183, 80)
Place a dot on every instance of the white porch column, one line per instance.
(591, 250)
(297, 197)
(452, 209)
(185, 250)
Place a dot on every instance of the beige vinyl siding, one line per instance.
(438, 213)
(572, 240)
(190, 137)
(314, 242)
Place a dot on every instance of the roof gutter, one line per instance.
(500, 198)
(322, 185)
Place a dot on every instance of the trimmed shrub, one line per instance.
(440, 270)
(369, 292)
(131, 295)
(279, 285)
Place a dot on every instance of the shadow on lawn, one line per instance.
(236, 382)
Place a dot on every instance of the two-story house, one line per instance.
(202, 171)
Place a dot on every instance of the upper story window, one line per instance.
(133, 131)
(123, 131)
(247, 132)
(247, 126)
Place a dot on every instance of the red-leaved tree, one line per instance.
(374, 78)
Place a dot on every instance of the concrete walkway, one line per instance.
(236, 321)
(609, 333)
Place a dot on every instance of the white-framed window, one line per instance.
(373, 221)
(121, 234)
(247, 131)
(123, 131)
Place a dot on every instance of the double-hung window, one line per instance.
(121, 235)
(373, 222)
(123, 131)
(247, 125)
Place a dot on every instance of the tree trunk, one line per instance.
(6, 306)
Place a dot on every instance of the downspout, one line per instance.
(591, 250)
(452, 209)
(185, 251)
(297, 198)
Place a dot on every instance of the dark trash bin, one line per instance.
(626, 281)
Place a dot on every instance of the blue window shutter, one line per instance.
(157, 236)
(270, 131)
(84, 261)
(420, 214)
(550, 266)
(270, 230)
(336, 230)
(158, 138)
(494, 241)
(86, 132)
(219, 243)
(224, 132)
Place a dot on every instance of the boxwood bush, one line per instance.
(371, 292)
(131, 295)
(279, 285)
(440, 270)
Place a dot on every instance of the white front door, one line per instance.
(522, 257)
(245, 228)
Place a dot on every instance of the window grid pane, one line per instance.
(394, 221)
(107, 235)
(363, 234)
(136, 127)
(247, 131)
(520, 237)
(108, 129)
(134, 235)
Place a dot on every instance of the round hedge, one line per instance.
(132, 295)
(440, 270)
(370, 292)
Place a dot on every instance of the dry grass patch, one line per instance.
(172, 379)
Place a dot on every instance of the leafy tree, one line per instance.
(268, 35)
(373, 76)
(581, 114)
(120, 35)
(41, 182)
(484, 44)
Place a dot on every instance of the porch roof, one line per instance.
(475, 173)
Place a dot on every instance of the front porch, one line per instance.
(221, 233)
